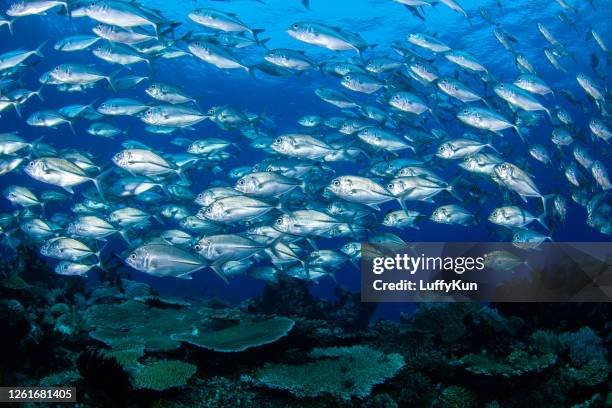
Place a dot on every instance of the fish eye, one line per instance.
(198, 247)
(279, 221)
(208, 210)
(337, 183)
(296, 26)
(133, 257)
(241, 182)
(390, 186)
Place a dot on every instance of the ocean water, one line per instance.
(284, 100)
(280, 101)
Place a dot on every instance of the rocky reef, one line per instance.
(123, 345)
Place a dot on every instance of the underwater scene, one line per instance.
(187, 185)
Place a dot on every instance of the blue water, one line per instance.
(285, 100)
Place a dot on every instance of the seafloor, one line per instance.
(122, 345)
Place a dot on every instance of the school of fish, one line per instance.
(397, 121)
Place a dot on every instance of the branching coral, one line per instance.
(447, 321)
(455, 397)
(583, 345)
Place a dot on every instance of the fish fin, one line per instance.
(374, 206)
(256, 32)
(125, 237)
(10, 26)
(217, 269)
(306, 4)
(17, 109)
(545, 198)
(96, 181)
(306, 268)
(542, 220)
(312, 243)
(39, 93)
(451, 188)
(518, 132)
(71, 126)
(264, 43)
(36, 142)
(490, 145)
(250, 70)
(38, 51)
(111, 79)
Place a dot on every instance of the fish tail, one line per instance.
(250, 69)
(264, 43)
(66, 5)
(100, 266)
(111, 79)
(97, 180)
(35, 143)
(451, 191)
(402, 202)
(544, 199)
(305, 267)
(98, 253)
(490, 146)
(170, 29)
(549, 114)
(17, 109)
(217, 269)
(256, 32)
(165, 190)
(38, 51)
(10, 26)
(542, 220)
(518, 132)
(71, 126)
(125, 236)
(38, 93)
(7, 240)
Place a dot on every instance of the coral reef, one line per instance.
(343, 372)
(515, 364)
(246, 333)
(162, 374)
(122, 344)
(156, 329)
